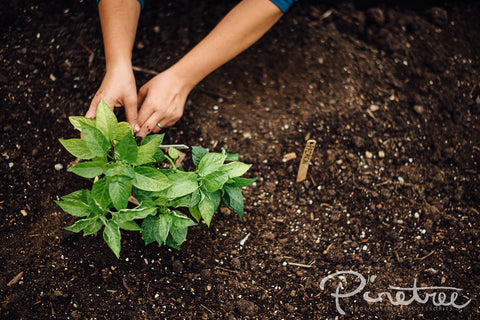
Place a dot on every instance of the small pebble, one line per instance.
(58, 166)
(374, 107)
(35, 152)
(11, 164)
(52, 77)
(419, 109)
(381, 154)
(24, 212)
(368, 154)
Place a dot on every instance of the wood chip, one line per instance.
(289, 156)
(181, 157)
(15, 279)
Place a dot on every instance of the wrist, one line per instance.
(185, 79)
(120, 66)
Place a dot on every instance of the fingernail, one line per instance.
(136, 127)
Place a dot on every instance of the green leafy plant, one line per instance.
(139, 188)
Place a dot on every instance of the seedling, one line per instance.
(121, 168)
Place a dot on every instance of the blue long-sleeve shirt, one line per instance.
(283, 5)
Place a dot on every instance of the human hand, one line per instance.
(118, 89)
(161, 102)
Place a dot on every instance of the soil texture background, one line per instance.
(389, 90)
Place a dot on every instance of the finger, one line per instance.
(92, 110)
(131, 112)
(142, 112)
(145, 113)
(151, 125)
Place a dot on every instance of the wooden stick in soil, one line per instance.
(306, 157)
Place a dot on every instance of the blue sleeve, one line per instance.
(141, 3)
(283, 4)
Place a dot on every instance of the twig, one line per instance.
(328, 248)
(201, 305)
(92, 54)
(126, 287)
(474, 210)
(300, 265)
(227, 270)
(181, 157)
(408, 184)
(149, 71)
(15, 279)
(214, 94)
(425, 257)
(85, 47)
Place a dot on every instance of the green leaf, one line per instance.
(242, 182)
(119, 171)
(74, 196)
(144, 197)
(124, 128)
(89, 169)
(215, 180)
(129, 225)
(210, 163)
(171, 243)
(235, 169)
(188, 200)
(150, 179)
(164, 223)
(111, 235)
(100, 194)
(206, 209)
(95, 207)
(81, 224)
(79, 121)
(181, 184)
(106, 121)
(230, 156)
(75, 208)
(96, 141)
(173, 153)
(216, 197)
(119, 193)
(197, 154)
(151, 137)
(159, 156)
(147, 152)
(149, 229)
(127, 149)
(78, 148)
(233, 198)
(95, 225)
(138, 212)
(195, 212)
(179, 228)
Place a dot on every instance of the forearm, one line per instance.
(119, 19)
(239, 29)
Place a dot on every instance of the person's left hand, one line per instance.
(161, 102)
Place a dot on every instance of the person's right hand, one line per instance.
(118, 89)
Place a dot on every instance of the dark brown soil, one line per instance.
(391, 94)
